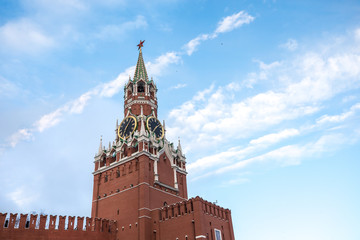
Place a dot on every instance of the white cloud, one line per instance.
(321, 78)
(357, 34)
(21, 197)
(339, 118)
(349, 98)
(275, 137)
(114, 31)
(24, 36)
(239, 153)
(263, 74)
(162, 62)
(191, 46)
(227, 24)
(291, 45)
(216, 115)
(236, 181)
(234, 21)
(222, 158)
(287, 155)
(51, 119)
(109, 89)
(20, 135)
(180, 85)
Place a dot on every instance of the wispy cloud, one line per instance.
(114, 31)
(180, 85)
(311, 79)
(264, 73)
(219, 116)
(241, 152)
(20, 135)
(22, 198)
(234, 21)
(191, 46)
(275, 137)
(339, 118)
(357, 34)
(290, 45)
(24, 36)
(288, 155)
(227, 24)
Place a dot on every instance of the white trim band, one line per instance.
(200, 236)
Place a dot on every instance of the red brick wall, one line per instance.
(95, 229)
(193, 218)
(166, 173)
(181, 179)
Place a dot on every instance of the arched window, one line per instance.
(141, 87)
(129, 89)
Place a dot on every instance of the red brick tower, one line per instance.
(141, 171)
(140, 180)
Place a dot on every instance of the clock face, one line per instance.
(154, 125)
(127, 127)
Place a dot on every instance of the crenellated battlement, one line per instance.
(176, 210)
(214, 210)
(191, 205)
(31, 226)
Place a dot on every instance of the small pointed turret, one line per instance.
(116, 130)
(179, 146)
(164, 128)
(100, 146)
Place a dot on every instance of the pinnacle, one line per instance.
(100, 146)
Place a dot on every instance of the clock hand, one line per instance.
(126, 127)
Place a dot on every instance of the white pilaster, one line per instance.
(156, 171)
(175, 179)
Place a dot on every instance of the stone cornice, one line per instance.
(137, 101)
(125, 160)
(166, 186)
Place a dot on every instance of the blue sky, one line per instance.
(264, 96)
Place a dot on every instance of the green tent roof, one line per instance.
(140, 71)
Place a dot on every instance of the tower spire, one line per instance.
(140, 71)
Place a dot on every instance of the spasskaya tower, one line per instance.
(140, 179)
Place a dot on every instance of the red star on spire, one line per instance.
(140, 45)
